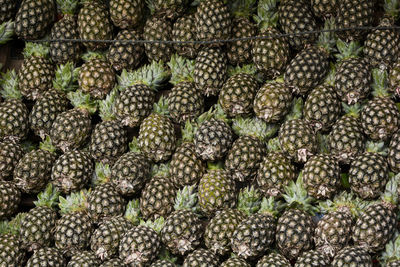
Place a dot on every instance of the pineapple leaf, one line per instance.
(343, 202)
(327, 38)
(380, 83)
(189, 131)
(48, 197)
(166, 255)
(271, 206)
(390, 194)
(181, 69)
(161, 107)
(15, 224)
(353, 110)
(215, 165)
(132, 212)
(82, 101)
(160, 170)
(66, 77)
(347, 50)
(90, 55)
(296, 110)
(102, 173)
(106, 106)
(35, 50)
(186, 198)
(392, 251)
(392, 8)
(28, 146)
(248, 69)
(344, 177)
(377, 147)
(156, 225)
(47, 145)
(9, 82)
(68, 6)
(249, 200)
(273, 144)
(242, 8)
(6, 32)
(254, 127)
(330, 78)
(134, 145)
(75, 202)
(267, 14)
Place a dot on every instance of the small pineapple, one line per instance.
(201, 257)
(47, 256)
(10, 154)
(273, 259)
(312, 258)
(324, 8)
(114, 262)
(235, 262)
(184, 30)
(10, 199)
(170, 9)
(394, 78)
(163, 263)
(127, 14)
(12, 253)
(85, 258)
(352, 256)
(393, 157)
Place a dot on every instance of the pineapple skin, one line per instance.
(201, 257)
(158, 29)
(239, 52)
(11, 251)
(14, 119)
(352, 256)
(312, 258)
(10, 199)
(10, 154)
(84, 258)
(394, 153)
(48, 256)
(126, 14)
(7, 10)
(184, 29)
(235, 262)
(273, 259)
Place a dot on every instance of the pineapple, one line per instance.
(13, 112)
(295, 227)
(54, 101)
(310, 66)
(72, 171)
(352, 256)
(138, 92)
(213, 21)
(10, 154)
(96, 76)
(36, 73)
(163, 263)
(74, 229)
(239, 52)
(185, 102)
(7, 10)
(270, 56)
(114, 262)
(48, 256)
(85, 258)
(32, 172)
(126, 14)
(369, 171)
(235, 262)
(273, 259)
(246, 154)
(353, 77)
(216, 191)
(312, 258)
(324, 8)
(394, 78)
(390, 257)
(109, 138)
(33, 18)
(124, 55)
(393, 157)
(65, 28)
(294, 17)
(157, 197)
(186, 168)
(276, 170)
(184, 30)
(214, 136)
(94, 24)
(183, 230)
(10, 199)
(170, 9)
(12, 253)
(157, 140)
(201, 257)
(377, 222)
(380, 117)
(238, 92)
(37, 225)
(71, 128)
(131, 171)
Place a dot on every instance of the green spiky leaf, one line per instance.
(82, 101)
(296, 196)
(186, 198)
(6, 32)
(48, 197)
(249, 200)
(296, 109)
(68, 6)
(182, 69)
(380, 84)
(254, 127)
(353, 110)
(107, 106)
(102, 173)
(242, 8)
(36, 50)
(274, 144)
(160, 170)
(267, 14)
(248, 69)
(327, 38)
(91, 55)
(271, 206)
(134, 145)
(391, 252)
(161, 107)
(9, 83)
(75, 202)
(390, 194)
(391, 8)
(343, 202)
(65, 77)
(347, 50)
(47, 145)
(132, 212)
(377, 147)
(156, 225)
(189, 131)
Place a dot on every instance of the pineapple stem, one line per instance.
(132, 212)
(106, 106)
(182, 69)
(9, 82)
(35, 50)
(267, 14)
(6, 32)
(66, 77)
(82, 101)
(186, 199)
(75, 202)
(254, 127)
(249, 200)
(48, 197)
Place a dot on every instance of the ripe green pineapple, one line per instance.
(312, 258)
(183, 229)
(394, 78)
(94, 24)
(72, 171)
(353, 76)
(65, 28)
(10, 199)
(272, 102)
(96, 76)
(114, 262)
(123, 55)
(14, 114)
(201, 257)
(185, 102)
(157, 197)
(276, 170)
(37, 71)
(238, 92)
(214, 136)
(7, 10)
(184, 29)
(235, 262)
(162, 263)
(213, 21)
(295, 227)
(138, 92)
(346, 139)
(247, 152)
(54, 101)
(33, 18)
(109, 138)
(127, 14)
(273, 259)
(12, 253)
(352, 256)
(48, 256)
(71, 128)
(393, 157)
(186, 168)
(377, 222)
(390, 257)
(32, 172)
(216, 191)
(131, 171)
(311, 65)
(74, 229)
(85, 258)
(294, 17)
(210, 71)
(10, 154)
(157, 140)
(270, 56)
(324, 8)
(380, 117)
(37, 224)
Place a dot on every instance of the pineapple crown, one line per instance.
(390, 195)
(166, 255)
(9, 82)
(271, 206)
(323, 143)
(215, 112)
(134, 145)
(330, 78)
(380, 84)
(267, 14)
(65, 77)
(47, 145)
(248, 69)
(13, 226)
(327, 38)
(274, 144)
(296, 110)
(161, 107)
(249, 200)
(82, 101)
(219, 165)
(242, 8)
(343, 202)
(156, 225)
(6, 32)
(35, 50)
(392, 8)
(376, 147)
(68, 7)
(254, 127)
(160, 170)
(102, 174)
(347, 50)
(186, 199)
(132, 212)
(296, 196)
(28, 146)
(91, 55)
(74, 202)
(353, 110)
(48, 197)
(188, 131)
(106, 106)
(392, 251)
(182, 69)
(152, 75)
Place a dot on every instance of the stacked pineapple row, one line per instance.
(267, 152)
